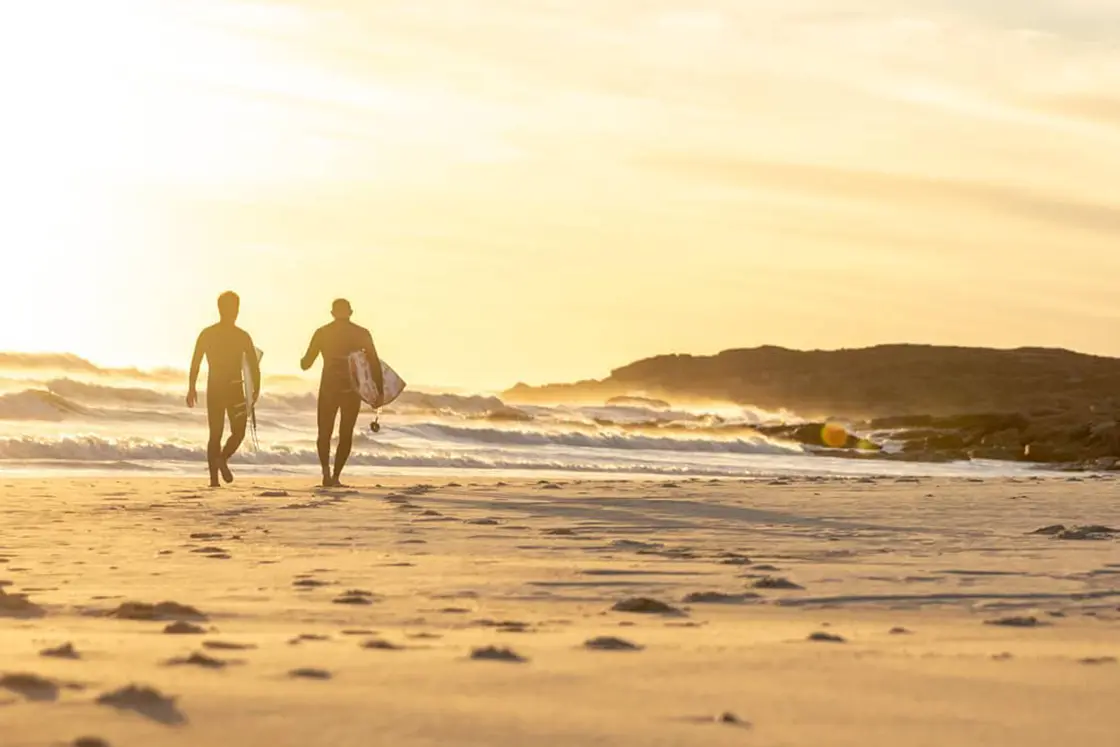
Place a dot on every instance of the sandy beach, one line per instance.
(812, 611)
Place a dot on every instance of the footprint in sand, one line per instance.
(610, 643)
(183, 627)
(355, 597)
(381, 645)
(646, 606)
(307, 673)
(716, 597)
(226, 646)
(776, 583)
(309, 583)
(161, 611)
(1016, 622)
(308, 637)
(19, 606)
(198, 660)
(826, 638)
(30, 686)
(727, 718)
(89, 742)
(65, 651)
(206, 536)
(145, 701)
(1098, 660)
(493, 653)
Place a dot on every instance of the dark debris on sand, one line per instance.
(493, 653)
(645, 606)
(1098, 660)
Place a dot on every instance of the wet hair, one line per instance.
(229, 303)
(341, 308)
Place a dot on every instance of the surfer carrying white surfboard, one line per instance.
(336, 342)
(225, 347)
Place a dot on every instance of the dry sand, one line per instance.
(458, 614)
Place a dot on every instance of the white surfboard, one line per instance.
(361, 377)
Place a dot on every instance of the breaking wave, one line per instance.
(758, 444)
(92, 450)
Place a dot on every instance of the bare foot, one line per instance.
(214, 483)
(226, 474)
(328, 482)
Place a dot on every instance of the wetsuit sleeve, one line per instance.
(313, 350)
(196, 359)
(375, 364)
(254, 363)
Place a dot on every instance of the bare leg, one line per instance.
(238, 417)
(216, 417)
(328, 410)
(351, 405)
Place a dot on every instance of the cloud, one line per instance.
(888, 189)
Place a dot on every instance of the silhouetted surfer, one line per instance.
(336, 341)
(223, 345)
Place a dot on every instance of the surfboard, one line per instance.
(361, 377)
(247, 388)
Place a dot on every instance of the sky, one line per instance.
(542, 190)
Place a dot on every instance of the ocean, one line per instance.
(75, 418)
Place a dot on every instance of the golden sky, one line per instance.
(529, 190)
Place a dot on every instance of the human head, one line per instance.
(229, 304)
(340, 309)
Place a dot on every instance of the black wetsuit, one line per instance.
(335, 342)
(223, 345)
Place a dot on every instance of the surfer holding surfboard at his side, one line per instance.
(336, 342)
(226, 348)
